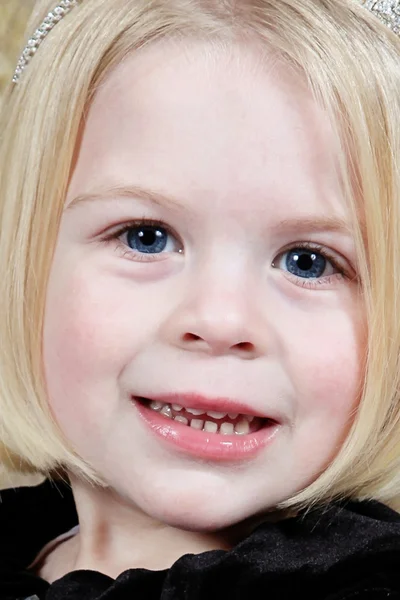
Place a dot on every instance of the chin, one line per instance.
(192, 501)
(199, 516)
(198, 523)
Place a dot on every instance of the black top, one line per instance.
(345, 552)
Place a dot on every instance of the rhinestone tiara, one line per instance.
(58, 13)
(387, 11)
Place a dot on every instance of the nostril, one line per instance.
(247, 346)
(191, 337)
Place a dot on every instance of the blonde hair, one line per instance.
(351, 63)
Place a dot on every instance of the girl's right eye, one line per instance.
(145, 239)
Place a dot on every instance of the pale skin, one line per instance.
(237, 141)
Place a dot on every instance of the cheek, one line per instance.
(81, 335)
(323, 357)
(326, 363)
(87, 344)
(328, 373)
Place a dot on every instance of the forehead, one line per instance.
(213, 125)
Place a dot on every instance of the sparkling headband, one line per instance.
(59, 12)
(387, 11)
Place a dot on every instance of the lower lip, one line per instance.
(202, 444)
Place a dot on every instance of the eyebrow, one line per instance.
(301, 225)
(316, 225)
(136, 192)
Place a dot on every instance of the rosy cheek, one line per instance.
(83, 322)
(75, 339)
(80, 376)
(325, 363)
(70, 339)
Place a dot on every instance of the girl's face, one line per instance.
(205, 258)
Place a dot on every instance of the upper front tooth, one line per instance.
(156, 405)
(166, 411)
(195, 411)
(216, 415)
(177, 407)
(233, 415)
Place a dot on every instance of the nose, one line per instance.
(218, 317)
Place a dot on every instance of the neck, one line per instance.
(114, 536)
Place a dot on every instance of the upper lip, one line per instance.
(221, 404)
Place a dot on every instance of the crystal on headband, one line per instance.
(62, 9)
(387, 11)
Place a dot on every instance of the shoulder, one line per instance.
(347, 552)
(342, 552)
(29, 518)
(32, 516)
(368, 566)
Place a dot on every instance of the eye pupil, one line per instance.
(305, 263)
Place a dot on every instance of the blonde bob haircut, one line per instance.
(351, 63)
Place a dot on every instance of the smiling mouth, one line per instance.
(213, 422)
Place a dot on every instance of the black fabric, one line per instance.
(345, 552)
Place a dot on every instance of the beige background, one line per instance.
(13, 17)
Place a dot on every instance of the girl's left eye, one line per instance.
(307, 263)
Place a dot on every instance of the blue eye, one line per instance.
(145, 240)
(306, 263)
(148, 239)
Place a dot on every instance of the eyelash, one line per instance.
(343, 272)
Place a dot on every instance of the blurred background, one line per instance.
(13, 18)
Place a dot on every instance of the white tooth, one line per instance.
(233, 415)
(166, 411)
(197, 424)
(181, 419)
(226, 428)
(243, 427)
(210, 426)
(177, 407)
(215, 415)
(195, 411)
(156, 405)
(250, 418)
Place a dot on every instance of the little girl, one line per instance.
(200, 290)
